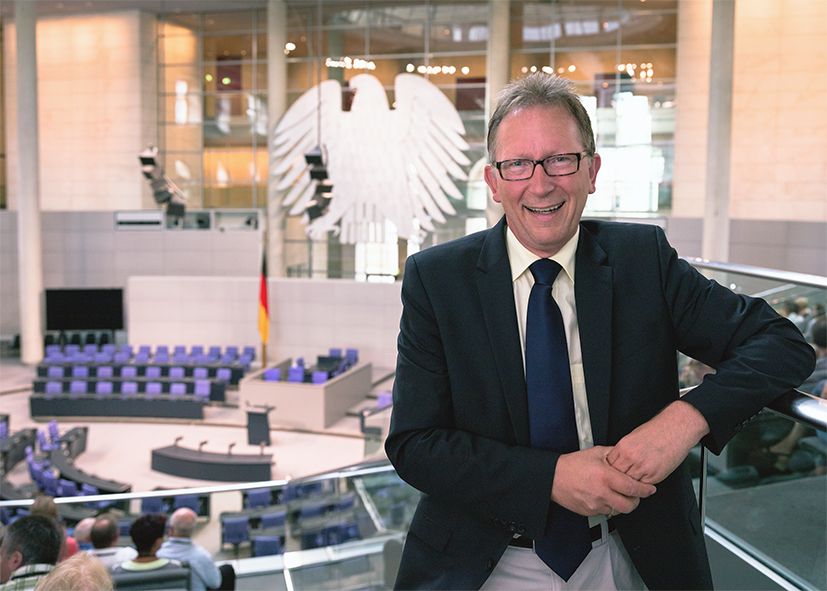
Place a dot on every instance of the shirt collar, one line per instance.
(520, 258)
(31, 570)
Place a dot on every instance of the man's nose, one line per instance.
(540, 181)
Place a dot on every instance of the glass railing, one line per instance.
(764, 497)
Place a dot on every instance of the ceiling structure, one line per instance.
(66, 7)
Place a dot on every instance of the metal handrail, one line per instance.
(805, 279)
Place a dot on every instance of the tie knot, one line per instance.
(545, 271)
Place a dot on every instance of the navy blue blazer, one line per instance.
(459, 429)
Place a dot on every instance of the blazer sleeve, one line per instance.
(757, 354)
(502, 484)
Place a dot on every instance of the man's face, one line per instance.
(9, 562)
(543, 211)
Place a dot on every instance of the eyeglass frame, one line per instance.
(580, 156)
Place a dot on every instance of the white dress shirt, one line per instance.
(608, 565)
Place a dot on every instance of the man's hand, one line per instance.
(651, 452)
(585, 483)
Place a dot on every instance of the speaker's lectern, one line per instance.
(258, 424)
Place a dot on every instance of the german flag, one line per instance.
(263, 308)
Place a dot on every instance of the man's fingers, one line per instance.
(626, 485)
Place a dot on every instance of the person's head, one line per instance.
(182, 522)
(81, 572)
(147, 533)
(820, 333)
(104, 532)
(44, 505)
(34, 539)
(788, 307)
(537, 117)
(83, 530)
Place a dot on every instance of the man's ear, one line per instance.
(15, 560)
(491, 180)
(594, 167)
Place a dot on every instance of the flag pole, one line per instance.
(264, 304)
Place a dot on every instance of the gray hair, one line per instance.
(36, 537)
(540, 90)
(81, 572)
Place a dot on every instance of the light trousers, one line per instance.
(606, 568)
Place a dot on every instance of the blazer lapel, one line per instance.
(593, 295)
(496, 294)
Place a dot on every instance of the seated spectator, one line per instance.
(104, 536)
(30, 549)
(783, 450)
(203, 572)
(81, 572)
(819, 338)
(45, 505)
(147, 534)
(83, 532)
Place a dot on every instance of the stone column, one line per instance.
(29, 244)
(276, 106)
(719, 137)
(498, 59)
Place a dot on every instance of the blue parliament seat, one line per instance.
(266, 546)
(274, 519)
(257, 497)
(272, 374)
(235, 530)
(66, 488)
(153, 505)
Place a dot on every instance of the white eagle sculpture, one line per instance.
(385, 164)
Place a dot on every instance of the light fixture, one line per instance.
(318, 205)
(164, 191)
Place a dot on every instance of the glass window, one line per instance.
(213, 106)
(229, 47)
(621, 54)
(222, 22)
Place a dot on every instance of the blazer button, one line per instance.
(489, 565)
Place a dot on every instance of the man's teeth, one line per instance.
(544, 209)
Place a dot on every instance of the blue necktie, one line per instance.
(567, 539)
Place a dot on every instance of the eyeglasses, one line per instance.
(521, 169)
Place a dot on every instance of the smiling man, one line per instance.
(536, 395)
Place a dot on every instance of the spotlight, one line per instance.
(164, 191)
(317, 206)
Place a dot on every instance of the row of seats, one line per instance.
(76, 338)
(47, 481)
(327, 367)
(122, 358)
(330, 535)
(268, 540)
(200, 389)
(223, 374)
(166, 505)
(91, 349)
